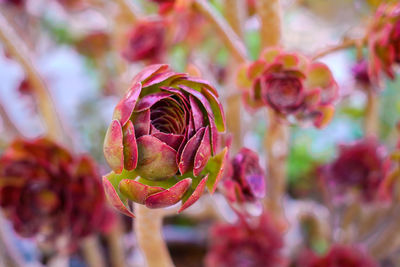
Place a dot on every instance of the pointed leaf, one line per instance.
(130, 147)
(113, 147)
(198, 192)
(214, 169)
(189, 152)
(170, 196)
(137, 191)
(125, 107)
(203, 153)
(112, 195)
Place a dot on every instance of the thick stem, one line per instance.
(92, 252)
(8, 123)
(114, 238)
(277, 136)
(228, 35)
(276, 145)
(17, 49)
(269, 13)
(371, 119)
(235, 16)
(148, 225)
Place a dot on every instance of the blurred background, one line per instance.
(77, 47)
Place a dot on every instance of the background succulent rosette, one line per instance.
(362, 167)
(46, 191)
(254, 243)
(293, 86)
(162, 144)
(384, 41)
(244, 181)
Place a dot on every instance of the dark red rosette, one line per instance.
(361, 166)
(337, 256)
(246, 245)
(146, 41)
(244, 181)
(46, 191)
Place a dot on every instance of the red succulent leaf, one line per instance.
(169, 196)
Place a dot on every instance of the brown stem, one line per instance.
(92, 252)
(13, 258)
(8, 123)
(148, 225)
(114, 238)
(234, 12)
(344, 45)
(276, 145)
(17, 49)
(371, 119)
(277, 137)
(228, 35)
(269, 13)
(129, 9)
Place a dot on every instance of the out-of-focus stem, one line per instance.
(8, 124)
(269, 13)
(13, 258)
(371, 119)
(114, 238)
(92, 252)
(228, 35)
(128, 8)
(148, 225)
(276, 142)
(277, 136)
(234, 12)
(17, 49)
(344, 45)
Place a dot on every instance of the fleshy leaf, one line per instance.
(319, 75)
(242, 80)
(214, 169)
(130, 147)
(149, 71)
(270, 54)
(255, 69)
(141, 123)
(325, 116)
(156, 160)
(110, 183)
(203, 153)
(288, 60)
(113, 147)
(189, 152)
(125, 107)
(136, 191)
(169, 196)
(217, 109)
(197, 193)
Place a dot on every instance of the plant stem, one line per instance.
(371, 120)
(276, 140)
(114, 238)
(234, 12)
(148, 225)
(269, 14)
(17, 49)
(228, 35)
(8, 123)
(13, 256)
(92, 252)
(344, 45)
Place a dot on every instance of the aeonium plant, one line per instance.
(162, 144)
(292, 85)
(384, 41)
(244, 181)
(46, 191)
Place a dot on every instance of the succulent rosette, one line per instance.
(46, 191)
(244, 179)
(245, 244)
(337, 256)
(361, 166)
(290, 84)
(162, 144)
(384, 41)
(146, 41)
